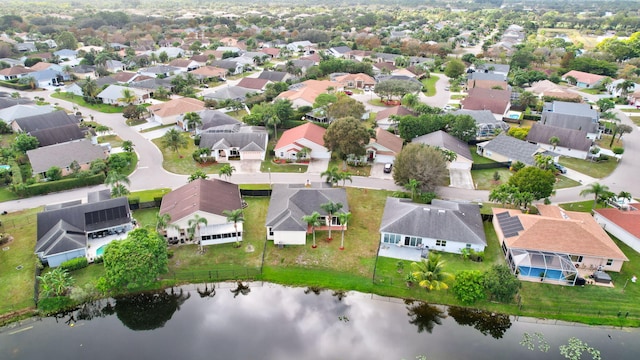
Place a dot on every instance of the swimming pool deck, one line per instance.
(95, 244)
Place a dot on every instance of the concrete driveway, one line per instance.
(460, 176)
(247, 166)
(317, 166)
(377, 171)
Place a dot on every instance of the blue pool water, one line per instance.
(100, 250)
(535, 272)
(514, 116)
(5, 167)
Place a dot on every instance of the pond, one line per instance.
(267, 321)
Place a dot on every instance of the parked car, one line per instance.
(348, 92)
(560, 168)
(387, 168)
(449, 108)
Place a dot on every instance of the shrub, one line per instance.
(60, 185)
(75, 264)
(56, 304)
(618, 150)
(98, 260)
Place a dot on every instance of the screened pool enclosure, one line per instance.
(540, 264)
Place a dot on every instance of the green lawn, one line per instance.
(635, 119)
(430, 85)
(354, 170)
(591, 91)
(104, 108)
(477, 159)
(597, 170)
(484, 178)
(146, 217)
(17, 260)
(153, 128)
(114, 140)
(604, 142)
(7, 195)
(268, 164)
(149, 195)
(181, 162)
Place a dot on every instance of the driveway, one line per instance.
(460, 176)
(317, 166)
(247, 166)
(377, 171)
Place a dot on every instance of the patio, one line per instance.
(402, 252)
(94, 244)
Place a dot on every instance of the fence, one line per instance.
(264, 192)
(216, 275)
(495, 165)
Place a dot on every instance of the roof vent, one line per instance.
(441, 211)
(426, 209)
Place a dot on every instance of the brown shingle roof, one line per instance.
(388, 140)
(487, 99)
(177, 106)
(396, 110)
(253, 83)
(211, 196)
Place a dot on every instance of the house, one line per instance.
(272, 52)
(125, 77)
(172, 52)
(305, 93)
(113, 95)
(232, 67)
(73, 230)
(207, 199)
(583, 79)
(383, 68)
(492, 68)
(507, 149)
(290, 202)
(184, 65)
(573, 143)
(253, 84)
(151, 85)
(210, 72)
(160, 71)
(62, 155)
(384, 147)
(84, 71)
(443, 226)
(309, 136)
(15, 72)
(572, 108)
(43, 121)
(57, 135)
(67, 54)
(486, 124)
(235, 141)
(460, 166)
(215, 118)
(228, 93)
(385, 118)
(573, 122)
(49, 77)
(275, 76)
(497, 101)
(304, 46)
(354, 81)
(339, 51)
(623, 223)
(547, 89)
(173, 110)
(6, 102)
(614, 88)
(114, 66)
(487, 81)
(554, 244)
(26, 47)
(24, 110)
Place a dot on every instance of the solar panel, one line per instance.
(510, 235)
(502, 215)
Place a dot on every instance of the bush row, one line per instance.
(60, 185)
(75, 264)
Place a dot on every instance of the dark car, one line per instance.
(387, 168)
(348, 92)
(560, 168)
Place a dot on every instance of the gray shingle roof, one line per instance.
(443, 140)
(229, 92)
(444, 220)
(564, 107)
(62, 155)
(515, 149)
(46, 121)
(213, 118)
(289, 204)
(58, 135)
(273, 75)
(480, 116)
(567, 121)
(237, 140)
(571, 139)
(62, 237)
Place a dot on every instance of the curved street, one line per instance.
(151, 175)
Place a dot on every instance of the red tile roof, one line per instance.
(584, 77)
(396, 110)
(253, 83)
(309, 131)
(627, 220)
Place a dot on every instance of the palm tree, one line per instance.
(127, 146)
(117, 183)
(128, 96)
(173, 139)
(596, 189)
(554, 140)
(344, 176)
(312, 220)
(331, 208)
(198, 174)
(194, 226)
(414, 186)
(162, 221)
(527, 99)
(624, 195)
(410, 100)
(226, 170)
(625, 87)
(429, 272)
(234, 216)
(344, 220)
(331, 174)
(273, 120)
(161, 93)
(55, 282)
(119, 190)
(192, 119)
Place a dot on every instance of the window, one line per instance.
(270, 231)
(576, 258)
(609, 262)
(468, 246)
(441, 242)
(391, 238)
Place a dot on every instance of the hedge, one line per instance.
(15, 86)
(75, 264)
(61, 185)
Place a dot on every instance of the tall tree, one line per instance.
(501, 284)
(454, 68)
(192, 120)
(423, 163)
(23, 142)
(312, 221)
(136, 261)
(347, 136)
(344, 217)
(595, 189)
(226, 170)
(173, 139)
(430, 272)
(128, 96)
(234, 216)
(331, 208)
(534, 180)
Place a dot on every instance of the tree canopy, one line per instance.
(425, 164)
(135, 261)
(534, 180)
(347, 136)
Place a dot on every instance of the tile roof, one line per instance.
(445, 220)
(487, 99)
(309, 131)
(15, 70)
(253, 83)
(176, 107)
(388, 140)
(629, 220)
(210, 71)
(443, 140)
(308, 90)
(207, 195)
(584, 77)
(396, 110)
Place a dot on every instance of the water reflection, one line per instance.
(486, 322)
(240, 289)
(148, 311)
(424, 316)
(207, 292)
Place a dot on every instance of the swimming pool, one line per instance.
(514, 116)
(535, 272)
(100, 250)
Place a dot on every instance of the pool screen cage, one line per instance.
(490, 129)
(544, 262)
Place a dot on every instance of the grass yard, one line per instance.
(430, 85)
(604, 142)
(146, 217)
(484, 178)
(156, 127)
(181, 162)
(268, 164)
(596, 170)
(354, 170)
(7, 195)
(114, 140)
(149, 195)
(103, 108)
(635, 119)
(581, 206)
(17, 260)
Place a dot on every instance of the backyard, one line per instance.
(103, 108)
(181, 161)
(268, 165)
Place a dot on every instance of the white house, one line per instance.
(623, 223)
(113, 95)
(307, 136)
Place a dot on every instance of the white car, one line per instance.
(449, 108)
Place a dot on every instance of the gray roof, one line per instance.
(443, 220)
(341, 49)
(107, 80)
(46, 121)
(24, 110)
(480, 116)
(487, 76)
(229, 92)
(514, 149)
(214, 118)
(398, 77)
(564, 107)
(503, 68)
(62, 155)
(6, 102)
(273, 75)
(443, 140)
(225, 64)
(570, 139)
(64, 228)
(160, 69)
(256, 141)
(289, 203)
(58, 135)
(567, 121)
